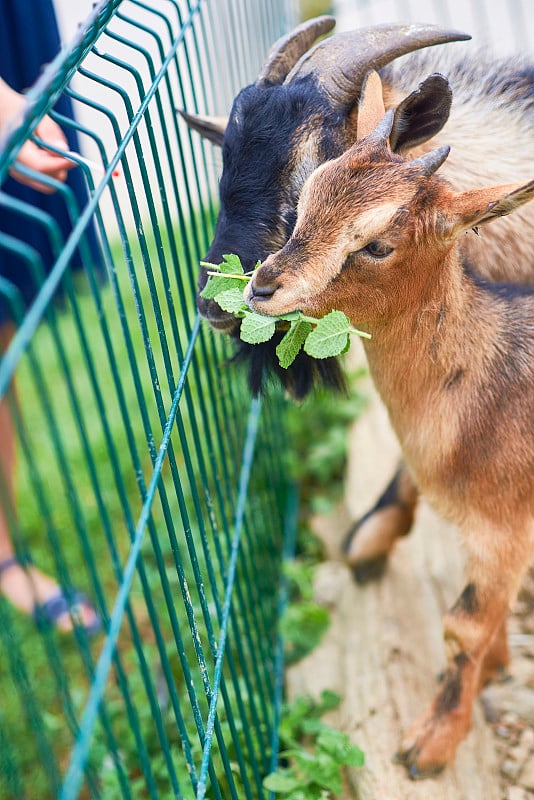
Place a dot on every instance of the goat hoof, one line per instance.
(364, 568)
(408, 759)
(371, 569)
(400, 757)
(415, 774)
(370, 540)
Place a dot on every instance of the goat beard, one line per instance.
(303, 376)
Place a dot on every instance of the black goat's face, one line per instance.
(274, 139)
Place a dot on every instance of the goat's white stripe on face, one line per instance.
(352, 235)
(306, 158)
(372, 224)
(309, 275)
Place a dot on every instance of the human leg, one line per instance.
(26, 587)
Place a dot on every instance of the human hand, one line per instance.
(31, 155)
(42, 160)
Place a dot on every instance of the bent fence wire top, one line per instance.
(145, 475)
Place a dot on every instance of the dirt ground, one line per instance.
(384, 650)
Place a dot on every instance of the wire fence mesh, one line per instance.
(144, 475)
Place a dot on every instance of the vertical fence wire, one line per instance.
(139, 479)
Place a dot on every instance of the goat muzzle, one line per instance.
(260, 289)
(221, 321)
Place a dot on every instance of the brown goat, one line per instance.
(301, 112)
(452, 356)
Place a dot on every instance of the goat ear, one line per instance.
(211, 128)
(422, 114)
(479, 206)
(371, 108)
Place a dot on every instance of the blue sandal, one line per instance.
(49, 612)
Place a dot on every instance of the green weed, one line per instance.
(316, 753)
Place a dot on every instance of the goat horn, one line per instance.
(287, 50)
(430, 162)
(380, 135)
(342, 61)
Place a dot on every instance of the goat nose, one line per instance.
(262, 291)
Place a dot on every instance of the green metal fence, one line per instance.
(145, 475)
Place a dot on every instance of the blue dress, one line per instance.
(29, 38)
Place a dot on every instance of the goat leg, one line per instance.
(496, 659)
(370, 540)
(475, 639)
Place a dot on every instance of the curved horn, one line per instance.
(380, 135)
(430, 162)
(287, 50)
(342, 61)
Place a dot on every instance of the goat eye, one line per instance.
(378, 249)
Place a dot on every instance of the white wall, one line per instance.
(506, 26)
(69, 13)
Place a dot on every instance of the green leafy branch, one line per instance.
(304, 621)
(316, 752)
(320, 338)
